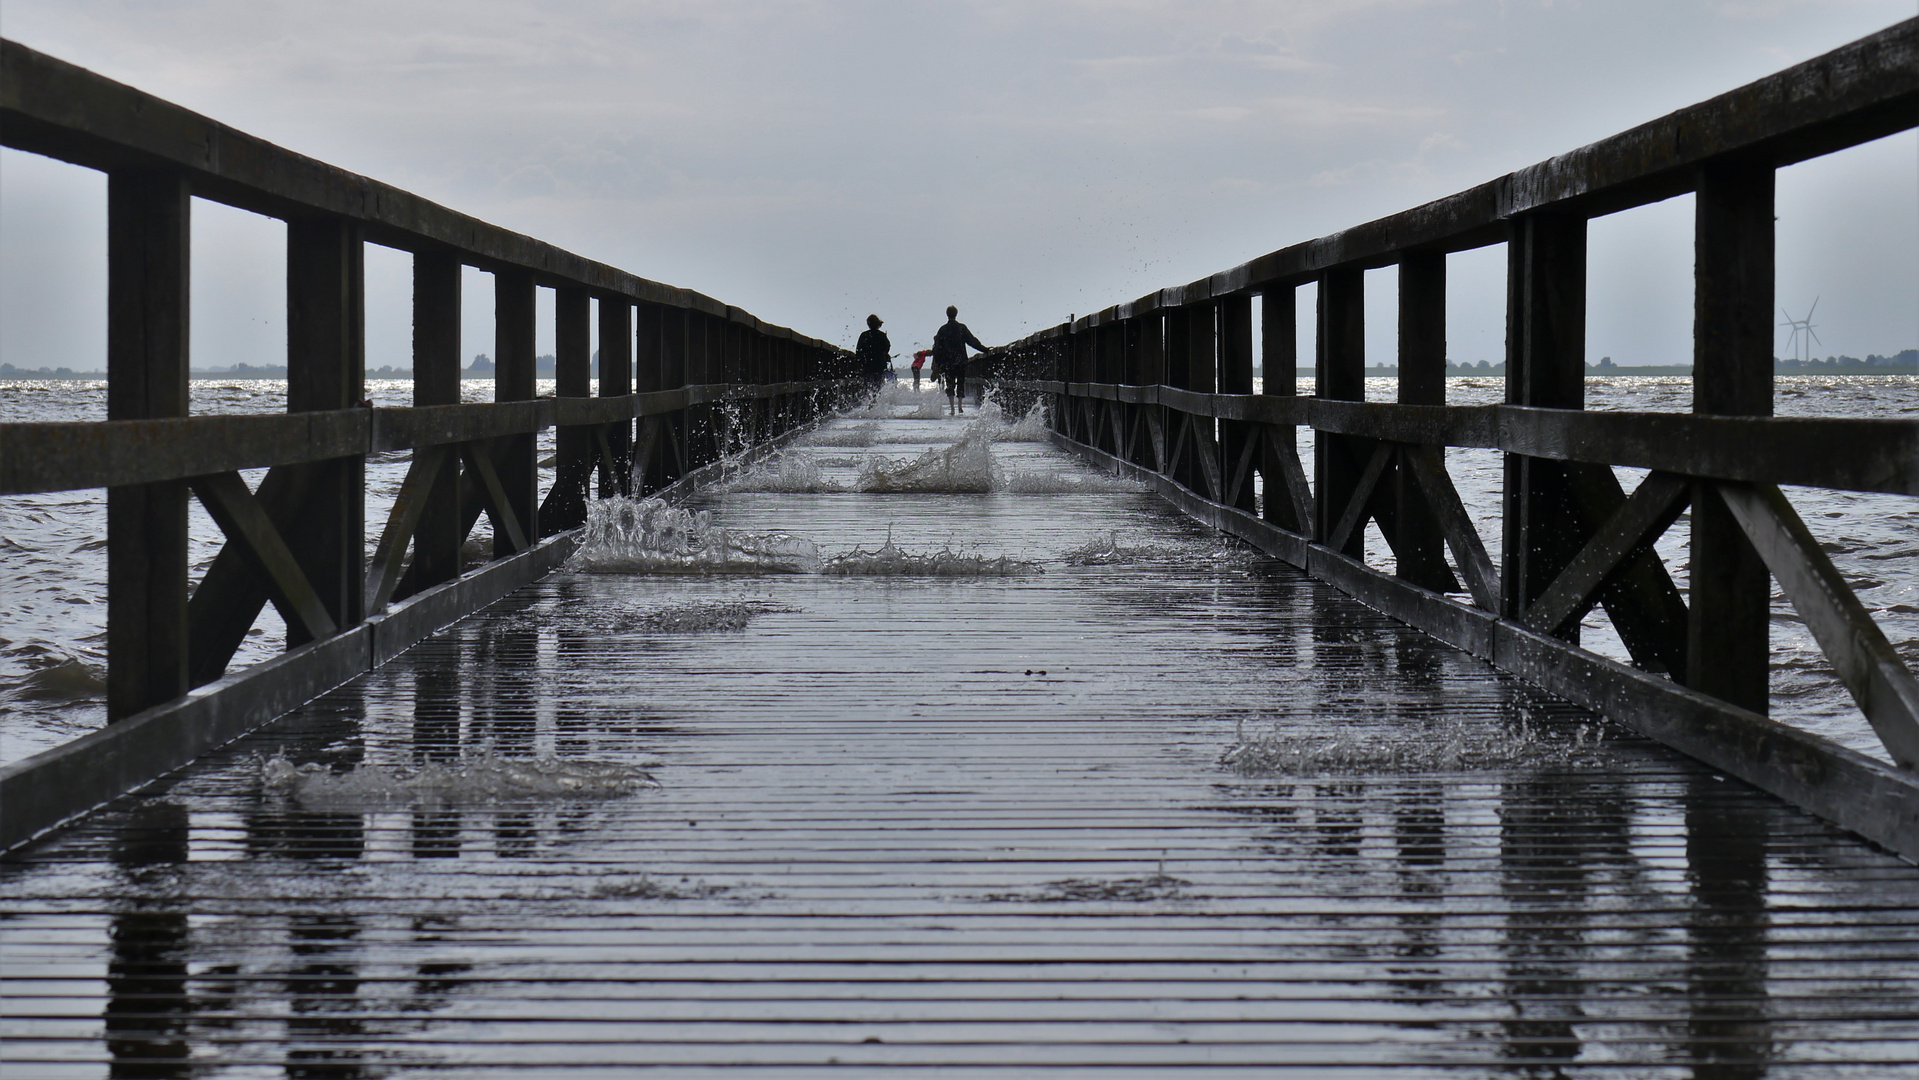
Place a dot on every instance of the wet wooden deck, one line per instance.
(966, 824)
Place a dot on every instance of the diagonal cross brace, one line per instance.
(383, 577)
(1860, 654)
(1640, 520)
(504, 518)
(1469, 551)
(1291, 476)
(247, 526)
(1354, 516)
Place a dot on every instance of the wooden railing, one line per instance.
(1163, 387)
(700, 378)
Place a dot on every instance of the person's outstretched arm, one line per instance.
(974, 342)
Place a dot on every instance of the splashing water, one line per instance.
(1106, 550)
(991, 425)
(1449, 749)
(702, 617)
(482, 779)
(890, 561)
(648, 536)
(967, 466)
(790, 472)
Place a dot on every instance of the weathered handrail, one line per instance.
(1163, 388)
(702, 379)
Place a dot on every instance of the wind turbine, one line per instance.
(1802, 335)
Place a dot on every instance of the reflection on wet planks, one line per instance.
(877, 840)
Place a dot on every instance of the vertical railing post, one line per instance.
(1279, 375)
(675, 426)
(515, 379)
(1178, 358)
(651, 444)
(1545, 367)
(1152, 372)
(1339, 373)
(1731, 590)
(149, 239)
(326, 369)
(436, 381)
(1236, 377)
(616, 380)
(1419, 547)
(573, 444)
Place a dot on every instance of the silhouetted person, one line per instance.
(875, 354)
(949, 354)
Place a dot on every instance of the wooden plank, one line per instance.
(252, 534)
(149, 239)
(1640, 520)
(1861, 656)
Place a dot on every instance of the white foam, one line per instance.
(648, 536)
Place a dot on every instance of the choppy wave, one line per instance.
(1448, 748)
(649, 536)
(482, 779)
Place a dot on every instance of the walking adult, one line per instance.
(949, 355)
(874, 353)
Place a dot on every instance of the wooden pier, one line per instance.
(1152, 771)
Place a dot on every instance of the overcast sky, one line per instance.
(814, 161)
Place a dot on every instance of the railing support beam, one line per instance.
(148, 244)
(1728, 630)
(1545, 367)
